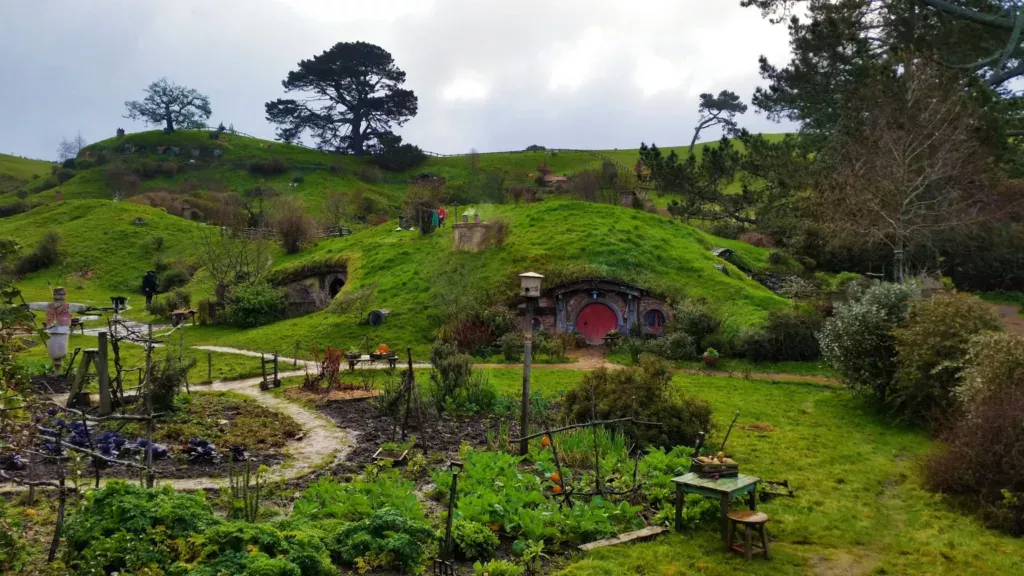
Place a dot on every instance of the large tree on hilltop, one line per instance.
(353, 97)
(175, 107)
(718, 110)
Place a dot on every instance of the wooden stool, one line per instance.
(748, 519)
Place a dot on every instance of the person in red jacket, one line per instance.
(441, 216)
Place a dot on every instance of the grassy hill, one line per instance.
(105, 254)
(179, 172)
(16, 171)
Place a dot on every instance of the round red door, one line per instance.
(595, 320)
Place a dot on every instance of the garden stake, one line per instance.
(443, 565)
(729, 431)
(558, 466)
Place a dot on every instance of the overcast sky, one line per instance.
(490, 74)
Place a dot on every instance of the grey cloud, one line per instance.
(68, 66)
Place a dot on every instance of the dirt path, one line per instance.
(283, 360)
(1010, 315)
(322, 444)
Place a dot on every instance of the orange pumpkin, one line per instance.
(555, 477)
(30, 512)
(557, 489)
(545, 442)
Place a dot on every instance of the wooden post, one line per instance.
(524, 422)
(209, 366)
(558, 466)
(277, 381)
(295, 359)
(103, 376)
(149, 408)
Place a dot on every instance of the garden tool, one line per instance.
(729, 431)
(443, 563)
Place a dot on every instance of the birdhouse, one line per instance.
(529, 282)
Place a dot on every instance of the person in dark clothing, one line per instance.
(149, 285)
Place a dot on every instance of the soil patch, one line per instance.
(1010, 315)
(175, 467)
(300, 395)
(443, 434)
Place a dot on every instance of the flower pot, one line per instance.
(711, 361)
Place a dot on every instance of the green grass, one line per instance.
(859, 507)
(16, 171)
(561, 239)
(222, 366)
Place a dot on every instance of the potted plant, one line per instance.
(711, 357)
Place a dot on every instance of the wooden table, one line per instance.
(724, 489)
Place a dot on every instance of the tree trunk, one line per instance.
(169, 119)
(358, 141)
(898, 261)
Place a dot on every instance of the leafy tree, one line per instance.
(771, 174)
(353, 97)
(718, 110)
(838, 44)
(176, 107)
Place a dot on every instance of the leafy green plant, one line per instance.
(244, 548)
(473, 539)
(124, 528)
(328, 499)
(385, 540)
(496, 568)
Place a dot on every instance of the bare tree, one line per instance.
(911, 164)
(70, 148)
(335, 209)
(230, 259)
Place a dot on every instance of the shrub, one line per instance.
(473, 539)
(858, 341)
(168, 377)
(12, 208)
(479, 395)
(369, 174)
(585, 186)
(47, 184)
(757, 239)
(68, 164)
(994, 365)
(930, 353)
(786, 336)
(46, 254)
(173, 278)
(398, 157)
(511, 346)
(64, 174)
(268, 167)
(256, 304)
(450, 375)
(387, 540)
(126, 528)
(644, 393)
(21, 194)
(294, 228)
(498, 233)
(726, 229)
(696, 319)
(984, 459)
(675, 346)
(121, 179)
(535, 148)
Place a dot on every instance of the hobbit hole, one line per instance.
(593, 307)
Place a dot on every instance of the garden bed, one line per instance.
(443, 435)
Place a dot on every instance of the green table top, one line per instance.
(724, 485)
